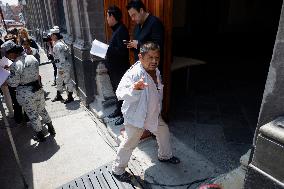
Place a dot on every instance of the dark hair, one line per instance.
(46, 38)
(10, 36)
(149, 46)
(18, 49)
(115, 12)
(136, 4)
(58, 35)
(13, 31)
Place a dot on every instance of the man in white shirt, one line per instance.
(141, 90)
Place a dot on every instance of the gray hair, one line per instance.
(149, 46)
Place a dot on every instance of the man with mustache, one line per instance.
(141, 90)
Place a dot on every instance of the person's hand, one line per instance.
(61, 72)
(140, 85)
(132, 44)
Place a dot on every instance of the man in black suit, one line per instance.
(117, 55)
(148, 28)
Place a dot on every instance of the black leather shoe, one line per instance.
(39, 137)
(115, 114)
(70, 98)
(119, 121)
(51, 129)
(172, 160)
(58, 97)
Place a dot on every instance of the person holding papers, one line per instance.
(19, 117)
(4, 73)
(117, 55)
(24, 75)
(61, 53)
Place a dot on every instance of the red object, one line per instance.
(210, 186)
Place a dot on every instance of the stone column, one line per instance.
(84, 28)
(48, 16)
(273, 97)
(44, 16)
(95, 9)
(104, 95)
(266, 165)
(70, 36)
(53, 12)
(84, 68)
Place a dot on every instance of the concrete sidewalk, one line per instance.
(76, 149)
(81, 146)
(157, 175)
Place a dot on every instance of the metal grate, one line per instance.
(100, 178)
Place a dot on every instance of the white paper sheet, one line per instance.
(5, 62)
(3, 75)
(99, 49)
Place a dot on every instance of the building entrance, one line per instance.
(222, 51)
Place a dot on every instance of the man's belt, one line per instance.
(35, 84)
(56, 61)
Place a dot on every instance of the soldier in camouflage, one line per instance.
(24, 75)
(61, 54)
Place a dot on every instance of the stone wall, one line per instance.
(273, 97)
(81, 29)
(265, 169)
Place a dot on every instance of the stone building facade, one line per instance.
(76, 21)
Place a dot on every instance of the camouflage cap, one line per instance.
(52, 31)
(8, 45)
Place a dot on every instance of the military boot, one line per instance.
(39, 136)
(58, 97)
(70, 98)
(51, 129)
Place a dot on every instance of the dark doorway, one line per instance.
(216, 102)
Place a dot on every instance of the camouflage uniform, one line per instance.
(60, 53)
(25, 70)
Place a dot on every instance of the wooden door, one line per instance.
(162, 9)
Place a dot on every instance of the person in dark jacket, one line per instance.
(148, 28)
(117, 55)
